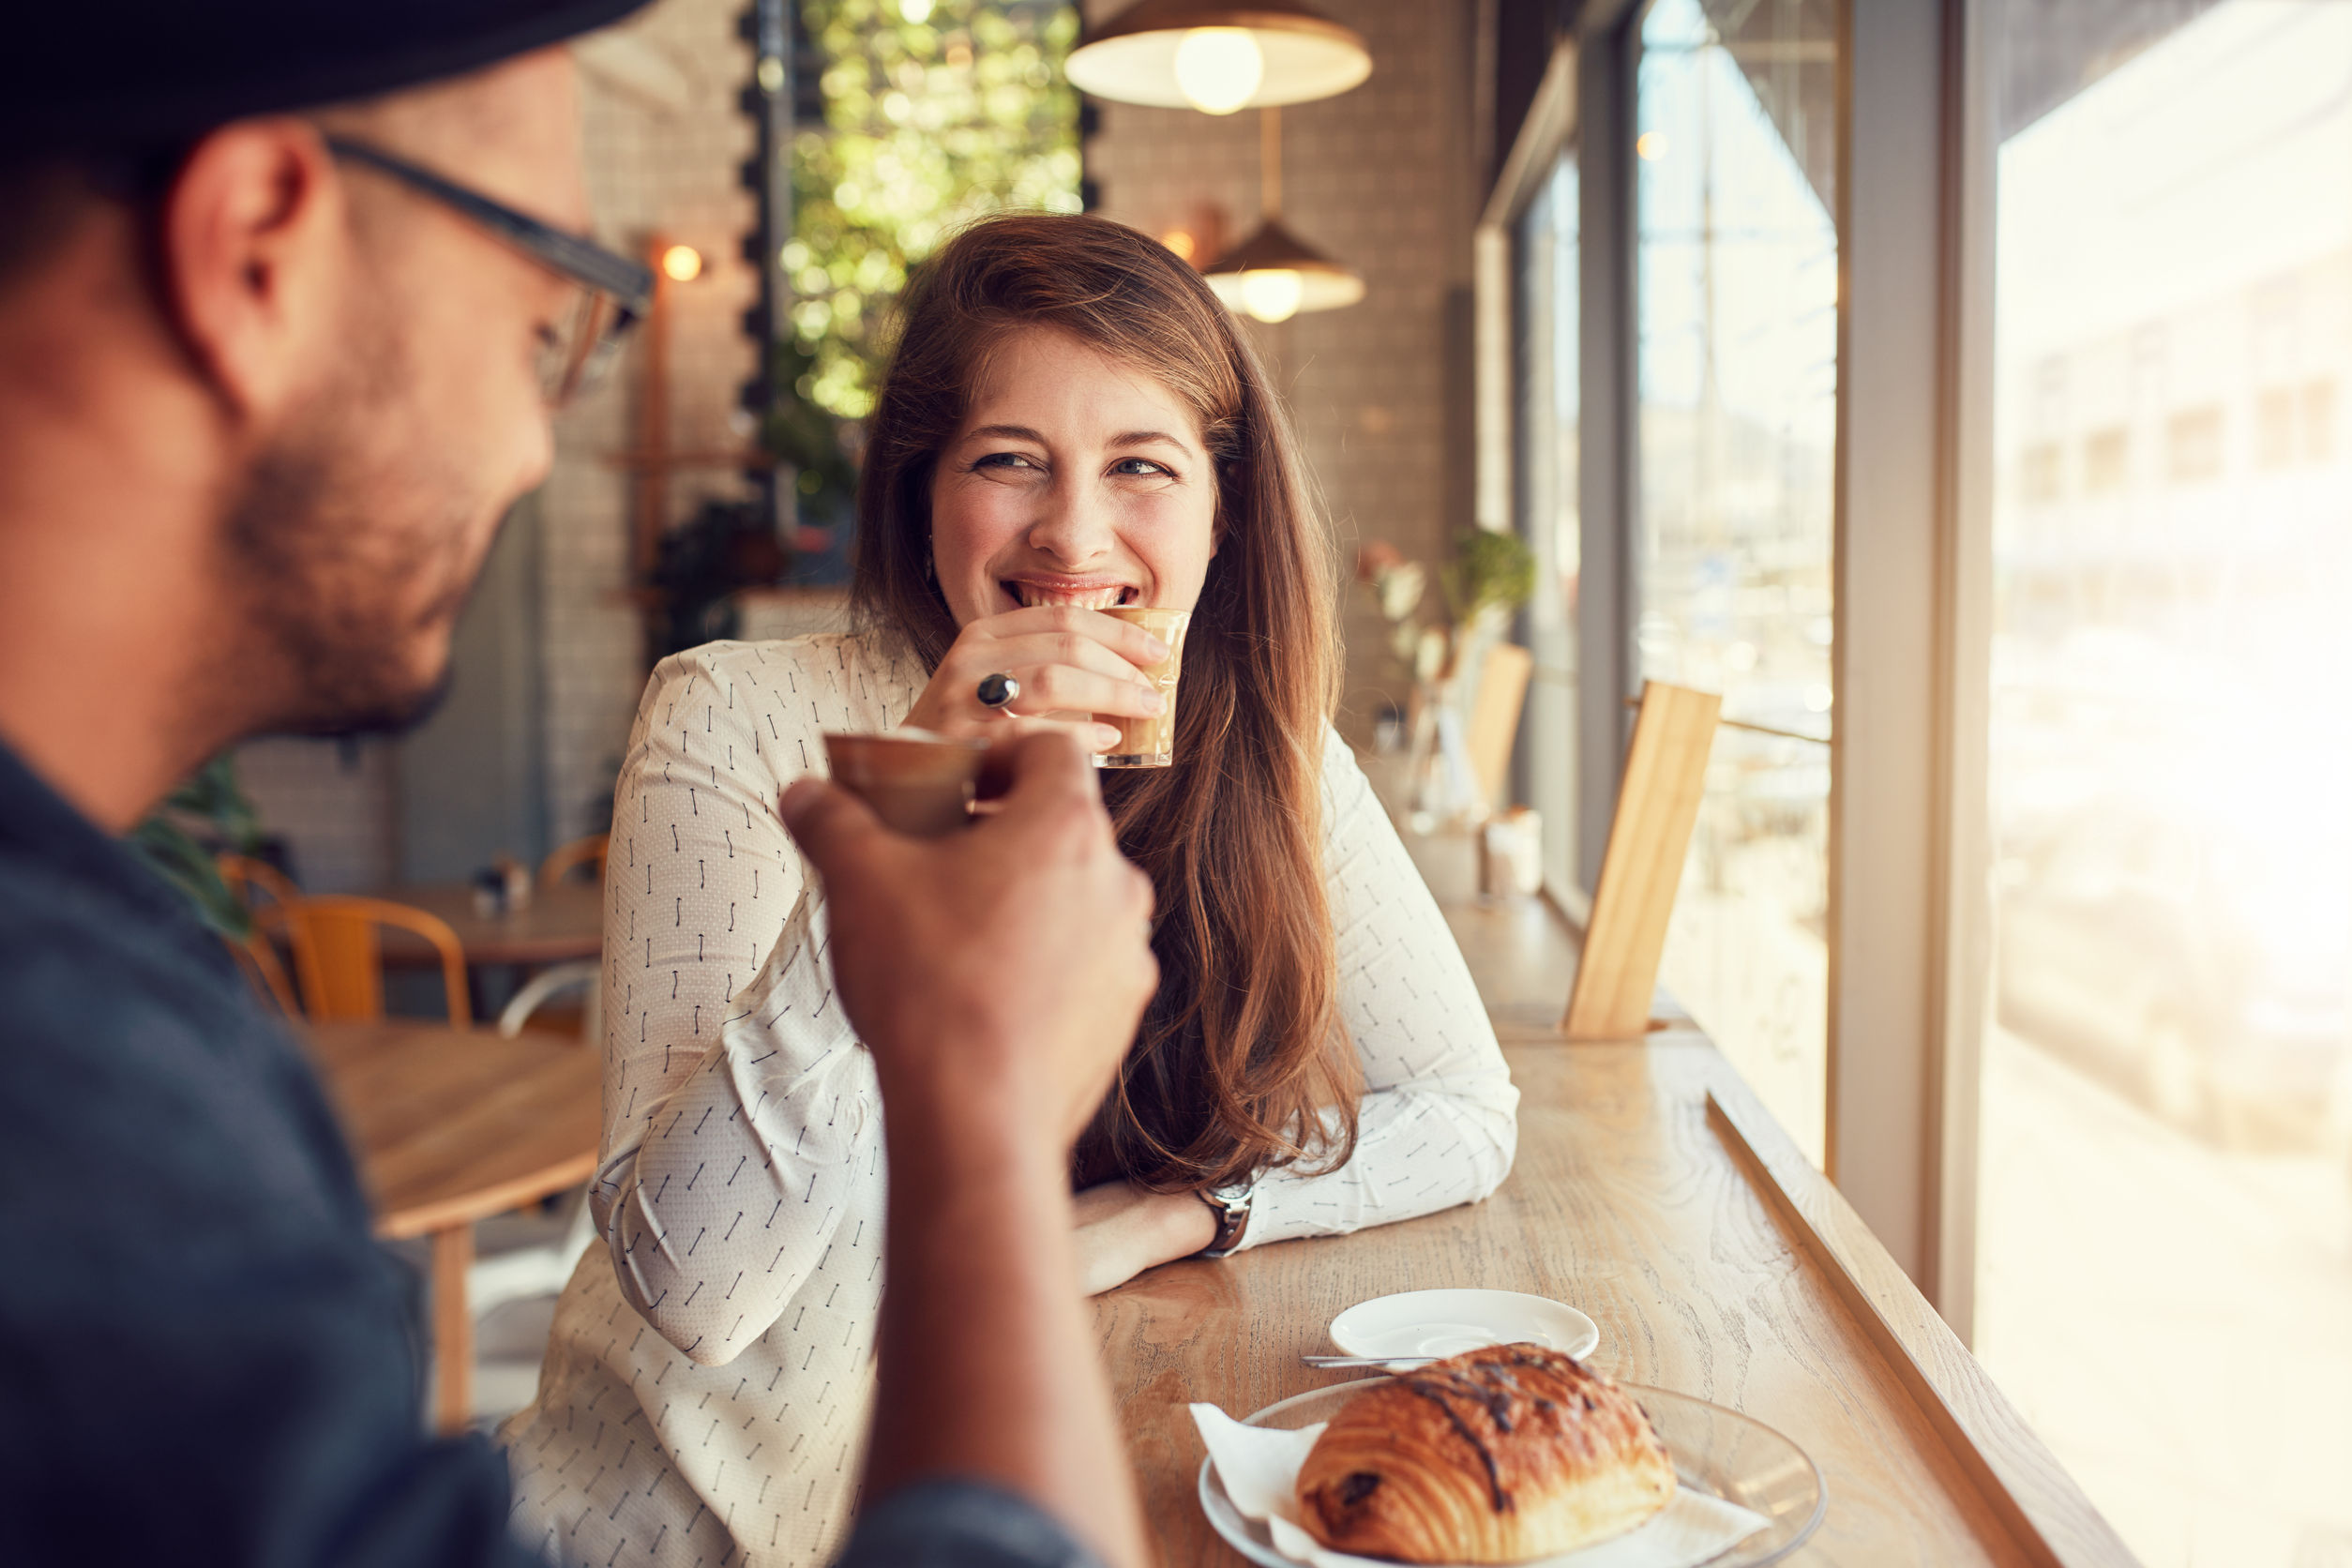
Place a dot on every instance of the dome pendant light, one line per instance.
(1273, 275)
(1219, 57)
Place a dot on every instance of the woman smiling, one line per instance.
(1071, 423)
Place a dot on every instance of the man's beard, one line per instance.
(339, 523)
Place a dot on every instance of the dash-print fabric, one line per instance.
(709, 1378)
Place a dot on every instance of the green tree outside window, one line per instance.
(935, 113)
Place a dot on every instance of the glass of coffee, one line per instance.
(918, 783)
(1151, 743)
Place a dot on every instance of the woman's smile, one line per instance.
(1085, 592)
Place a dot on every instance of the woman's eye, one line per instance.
(1004, 459)
(1137, 468)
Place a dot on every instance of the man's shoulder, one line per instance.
(130, 1055)
(77, 956)
(194, 1297)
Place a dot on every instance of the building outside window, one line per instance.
(2165, 1101)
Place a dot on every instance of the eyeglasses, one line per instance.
(615, 292)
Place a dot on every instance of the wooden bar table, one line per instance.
(1654, 1192)
(562, 923)
(451, 1126)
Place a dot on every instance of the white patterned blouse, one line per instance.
(709, 1378)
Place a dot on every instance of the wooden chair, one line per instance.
(247, 877)
(1657, 807)
(570, 857)
(338, 956)
(257, 960)
(1494, 718)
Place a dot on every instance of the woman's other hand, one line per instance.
(1071, 663)
(1123, 1229)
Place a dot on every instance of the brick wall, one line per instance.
(1380, 179)
(331, 802)
(665, 141)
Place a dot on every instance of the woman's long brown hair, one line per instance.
(1240, 1063)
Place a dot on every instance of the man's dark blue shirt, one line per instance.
(203, 1356)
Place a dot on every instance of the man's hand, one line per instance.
(998, 971)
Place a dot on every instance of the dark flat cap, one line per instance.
(110, 72)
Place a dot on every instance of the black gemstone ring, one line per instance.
(998, 689)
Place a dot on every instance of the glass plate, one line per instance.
(1714, 1449)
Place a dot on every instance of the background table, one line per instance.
(1655, 1193)
(562, 923)
(452, 1127)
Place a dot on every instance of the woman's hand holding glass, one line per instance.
(1073, 665)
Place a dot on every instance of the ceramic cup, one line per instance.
(918, 783)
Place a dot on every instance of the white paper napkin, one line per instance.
(1259, 1468)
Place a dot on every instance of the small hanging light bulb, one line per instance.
(1272, 293)
(1219, 69)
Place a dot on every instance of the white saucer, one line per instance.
(1447, 1322)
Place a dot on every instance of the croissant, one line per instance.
(1495, 1455)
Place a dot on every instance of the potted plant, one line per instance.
(206, 816)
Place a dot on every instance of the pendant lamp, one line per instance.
(1218, 57)
(1273, 275)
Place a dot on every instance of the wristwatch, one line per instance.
(1231, 1204)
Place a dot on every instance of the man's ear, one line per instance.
(251, 242)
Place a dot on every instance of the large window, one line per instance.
(1548, 478)
(2165, 1204)
(1737, 296)
(2154, 1128)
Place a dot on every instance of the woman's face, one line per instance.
(1072, 480)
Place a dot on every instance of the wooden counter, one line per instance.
(1655, 1193)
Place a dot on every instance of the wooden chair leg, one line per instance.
(453, 1330)
(1657, 807)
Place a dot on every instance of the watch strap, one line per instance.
(1231, 1205)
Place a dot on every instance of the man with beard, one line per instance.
(287, 293)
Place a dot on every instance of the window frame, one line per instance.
(1910, 907)
(1547, 134)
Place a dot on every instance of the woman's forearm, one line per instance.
(1120, 1231)
(1419, 1148)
